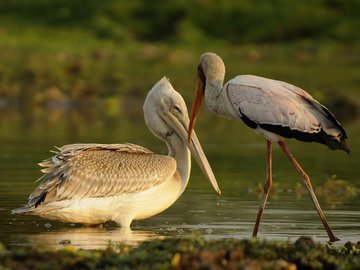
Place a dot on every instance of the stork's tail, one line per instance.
(345, 146)
(335, 143)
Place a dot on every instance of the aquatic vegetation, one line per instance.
(335, 188)
(259, 188)
(190, 253)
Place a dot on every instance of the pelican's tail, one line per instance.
(21, 210)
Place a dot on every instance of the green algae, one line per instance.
(190, 253)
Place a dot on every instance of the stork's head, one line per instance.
(211, 70)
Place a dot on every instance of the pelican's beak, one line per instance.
(198, 153)
(195, 148)
(199, 95)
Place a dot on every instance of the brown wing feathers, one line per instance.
(93, 170)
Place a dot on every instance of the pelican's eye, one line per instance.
(177, 109)
(169, 133)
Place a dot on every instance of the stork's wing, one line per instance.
(266, 101)
(284, 109)
(97, 170)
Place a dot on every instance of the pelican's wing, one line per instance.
(283, 109)
(97, 170)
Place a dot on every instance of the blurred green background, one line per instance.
(78, 71)
(66, 52)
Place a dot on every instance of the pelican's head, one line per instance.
(166, 116)
(211, 70)
(162, 100)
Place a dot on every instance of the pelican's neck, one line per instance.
(180, 152)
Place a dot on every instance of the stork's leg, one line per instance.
(310, 189)
(267, 187)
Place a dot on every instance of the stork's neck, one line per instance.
(214, 96)
(180, 152)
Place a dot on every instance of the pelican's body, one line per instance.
(129, 183)
(95, 183)
(275, 109)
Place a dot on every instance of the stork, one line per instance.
(275, 109)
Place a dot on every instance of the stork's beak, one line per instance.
(194, 146)
(199, 95)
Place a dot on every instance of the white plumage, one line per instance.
(269, 103)
(274, 108)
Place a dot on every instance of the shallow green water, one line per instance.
(236, 154)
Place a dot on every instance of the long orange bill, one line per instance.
(199, 95)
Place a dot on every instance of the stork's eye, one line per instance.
(177, 109)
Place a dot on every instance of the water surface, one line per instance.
(236, 154)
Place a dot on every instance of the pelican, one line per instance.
(95, 183)
(275, 109)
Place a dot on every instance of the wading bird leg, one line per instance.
(310, 189)
(267, 187)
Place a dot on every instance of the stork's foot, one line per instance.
(333, 239)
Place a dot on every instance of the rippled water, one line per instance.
(238, 162)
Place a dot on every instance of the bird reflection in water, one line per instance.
(91, 237)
